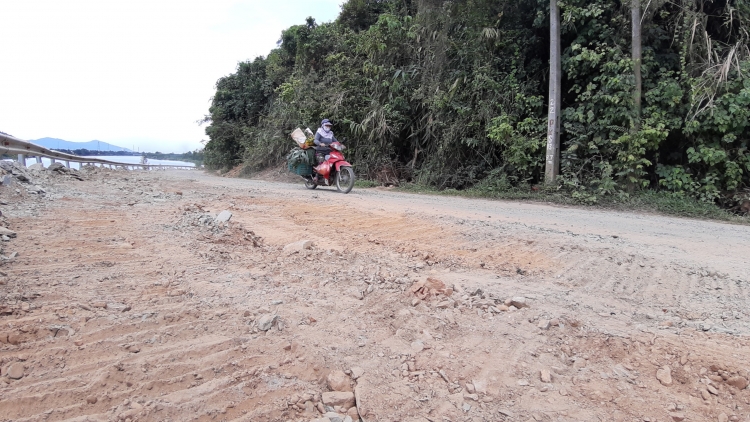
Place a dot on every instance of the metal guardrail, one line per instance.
(12, 145)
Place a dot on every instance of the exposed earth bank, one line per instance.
(184, 296)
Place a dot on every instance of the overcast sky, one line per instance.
(130, 72)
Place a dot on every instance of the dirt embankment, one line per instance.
(129, 296)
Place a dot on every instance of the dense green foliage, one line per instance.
(453, 94)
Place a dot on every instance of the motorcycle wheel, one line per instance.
(310, 184)
(345, 179)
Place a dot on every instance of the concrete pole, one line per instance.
(67, 163)
(51, 160)
(552, 166)
(637, 57)
(38, 159)
(22, 159)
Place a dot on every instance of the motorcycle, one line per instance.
(333, 170)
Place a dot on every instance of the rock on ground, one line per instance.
(664, 375)
(7, 232)
(338, 381)
(223, 216)
(15, 371)
(266, 321)
(344, 399)
(298, 246)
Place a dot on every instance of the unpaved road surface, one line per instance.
(128, 300)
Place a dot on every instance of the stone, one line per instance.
(352, 413)
(118, 307)
(545, 376)
(470, 388)
(7, 232)
(543, 324)
(338, 398)
(723, 417)
(706, 395)
(56, 167)
(37, 166)
(711, 389)
(677, 416)
(91, 400)
(99, 304)
(523, 383)
(15, 371)
(297, 247)
(338, 381)
(444, 304)
(664, 375)
(417, 346)
(334, 417)
(519, 302)
(738, 382)
(357, 372)
(14, 339)
(480, 386)
(223, 216)
(266, 321)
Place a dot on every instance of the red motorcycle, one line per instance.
(333, 170)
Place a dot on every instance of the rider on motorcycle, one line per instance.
(323, 139)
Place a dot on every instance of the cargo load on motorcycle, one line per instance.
(318, 158)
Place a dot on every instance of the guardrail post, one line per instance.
(67, 163)
(22, 159)
(39, 159)
(52, 161)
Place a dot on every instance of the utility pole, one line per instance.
(552, 167)
(637, 59)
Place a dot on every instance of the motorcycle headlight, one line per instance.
(339, 147)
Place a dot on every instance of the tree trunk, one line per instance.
(552, 168)
(637, 57)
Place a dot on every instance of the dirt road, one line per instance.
(128, 299)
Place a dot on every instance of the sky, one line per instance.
(135, 73)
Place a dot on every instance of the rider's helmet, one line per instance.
(326, 124)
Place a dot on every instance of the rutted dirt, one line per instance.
(128, 300)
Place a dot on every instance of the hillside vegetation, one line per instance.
(453, 94)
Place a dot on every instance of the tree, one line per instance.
(552, 168)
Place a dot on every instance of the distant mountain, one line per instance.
(54, 143)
